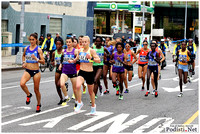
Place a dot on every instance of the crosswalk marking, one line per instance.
(52, 121)
(99, 115)
(152, 122)
(32, 115)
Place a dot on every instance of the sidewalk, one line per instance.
(8, 63)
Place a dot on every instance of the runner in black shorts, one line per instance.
(129, 67)
(56, 59)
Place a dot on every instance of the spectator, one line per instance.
(123, 39)
(41, 39)
(57, 37)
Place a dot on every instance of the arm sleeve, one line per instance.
(195, 48)
(174, 51)
(44, 42)
(52, 42)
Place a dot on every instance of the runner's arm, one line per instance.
(95, 56)
(135, 57)
(41, 60)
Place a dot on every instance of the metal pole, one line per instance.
(185, 19)
(151, 5)
(117, 21)
(143, 20)
(123, 21)
(19, 54)
(133, 35)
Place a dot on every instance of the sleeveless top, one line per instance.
(82, 56)
(100, 53)
(57, 57)
(130, 56)
(110, 48)
(118, 66)
(28, 54)
(142, 56)
(69, 68)
(151, 61)
(183, 56)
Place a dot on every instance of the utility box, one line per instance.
(6, 38)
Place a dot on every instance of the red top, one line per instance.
(78, 65)
(130, 56)
(142, 56)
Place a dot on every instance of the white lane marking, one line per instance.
(17, 83)
(32, 115)
(176, 89)
(117, 122)
(99, 115)
(14, 111)
(6, 106)
(27, 84)
(162, 126)
(151, 123)
(135, 85)
(52, 121)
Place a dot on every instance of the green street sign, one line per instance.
(113, 6)
(134, 8)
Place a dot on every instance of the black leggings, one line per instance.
(155, 73)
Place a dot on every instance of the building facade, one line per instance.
(49, 17)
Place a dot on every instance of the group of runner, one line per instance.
(81, 63)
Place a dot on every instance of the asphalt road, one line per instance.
(136, 113)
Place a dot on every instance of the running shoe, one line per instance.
(78, 107)
(64, 102)
(180, 95)
(61, 101)
(117, 93)
(193, 73)
(73, 96)
(121, 97)
(96, 96)
(126, 91)
(93, 110)
(153, 92)
(117, 88)
(28, 99)
(142, 89)
(75, 105)
(84, 89)
(147, 93)
(156, 93)
(188, 79)
(106, 92)
(38, 108)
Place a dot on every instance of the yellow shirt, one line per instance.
(183, 56)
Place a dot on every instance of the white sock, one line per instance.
(76, 102)
(107, 89)
(66, 97)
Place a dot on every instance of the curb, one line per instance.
(11, 69)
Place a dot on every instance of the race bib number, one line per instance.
(152, 62)
(129, 57)
(57, 59)
(143, 58)
(101, 56)
(66, 58)
(118, 64)
(82, 57)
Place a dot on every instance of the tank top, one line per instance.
(183, 56)
(157, 50)
(151, 61)
(142, 56)
(100, 53)
(110, 48)
(82, 56)
(118, 66)
(28, 54)
(130, 56)
(69, 68)
(57, 57)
